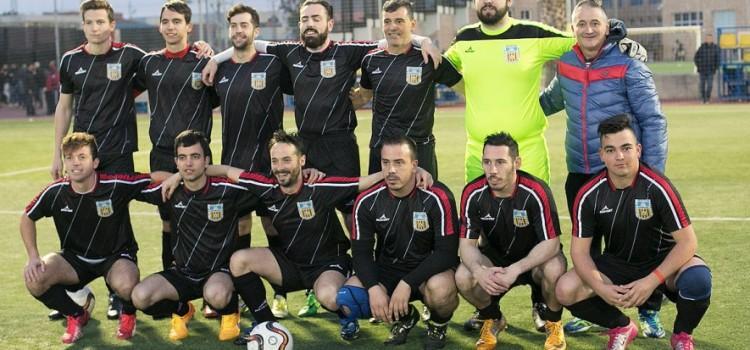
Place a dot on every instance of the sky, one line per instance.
(139, 8)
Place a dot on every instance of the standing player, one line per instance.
(649, 244)
(594, 81)
(177, 98)
(415, 255)
(515, 214)
(97, 89)
(207, 209)
(403, 87)
(92, 220)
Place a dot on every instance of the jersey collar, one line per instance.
(413, 191)
(491, 32)
(96, 185)
(179, 54)
(632, 184)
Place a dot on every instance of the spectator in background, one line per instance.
(28, 79)
(679, 50)
(16, 87)
(707, 60)
(40, 76)
(4, 93)
(51, 88)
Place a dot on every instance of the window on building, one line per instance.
(525, 14)
(693, 18)
(655, 2)
(636, 2)
(607, 4)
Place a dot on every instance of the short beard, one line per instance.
(314, 42)
(492, 19)
(242, 46)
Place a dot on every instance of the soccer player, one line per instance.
(403, 87)
(515, 214)
(207, 209)
(501, 60)
(594, 81)
(415, 255)
(649, 244)
(90, 210)
(177, 98)
(97, 89)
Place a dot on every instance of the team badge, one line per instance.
(306, 210)
(216, 212)
(195, 81)
(420, 222)
(258, 80)
(114, 71)
(104, 208)
(413, 75)
(328, 68)
(512, 54)
(643, 209)
(520, 218)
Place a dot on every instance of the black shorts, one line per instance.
(296, 276)
(390, 276)
(189, 288)
(116, 163)
(162, 159)
(335, 155)
(88, 271)
(523, 279)
(426, 158)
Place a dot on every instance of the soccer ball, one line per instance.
(270, 336)
(84, 297)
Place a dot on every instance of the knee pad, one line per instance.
(694, 283)
(356, 300)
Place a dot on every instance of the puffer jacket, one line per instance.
(591, 92)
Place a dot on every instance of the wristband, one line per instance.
(659, 275)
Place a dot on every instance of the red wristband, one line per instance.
(659, 275)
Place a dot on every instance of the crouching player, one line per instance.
(415, 253)
(649, 244)
(91, 217)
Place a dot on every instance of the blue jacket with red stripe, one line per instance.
(610, 84)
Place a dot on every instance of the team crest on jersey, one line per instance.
(104, 208)
(216, 212)
(643, 209)
(520, 218)
(420, 222)
(195, 80)
(328, 68)
(258, 80)
(512, 54)
(114, 71)
(306, 210)
(413, 75)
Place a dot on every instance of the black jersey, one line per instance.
(512, 226)
(204, 223)
(103, 91)
(309, 229)
(636, 222)
(321, 82)
(252, 109)
(177, 98)
(92, 225)
(414, 234)
(403, 89)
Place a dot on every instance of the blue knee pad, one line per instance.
(695, 283)
(356, 300)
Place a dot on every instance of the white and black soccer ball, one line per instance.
(84, 297)
(270, 336)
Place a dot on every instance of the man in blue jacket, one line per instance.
(594, 82)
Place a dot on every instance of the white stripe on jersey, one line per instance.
(227, 184)
(129, 182)
(468, 201)
(666, 196)
(39, 200)
(541, 210)
(356, 209)
(333, 184)
(312, 97)
(442, 210)
(416, 115)
(104, 94)
(177, 99)
(580, 205)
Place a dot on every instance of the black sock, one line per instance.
(653, 302)
(596, 310)
(127, 307)
(242, 242)
(278, 291)
(491, 312)
(536, 294)
(548, 315)
(166, 250)
(689, 314)
(56, 298)
(163, 307)
(436, 318)
(230, 308)
(252, 291)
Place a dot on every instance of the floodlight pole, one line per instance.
(57, 36)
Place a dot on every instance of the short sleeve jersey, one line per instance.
(309, 229)
(251, 110)
(176, 95)
(636, 222)
(103, 92)
(92, 225)
(204, 223)
(512, 226)
(403, 93)
(321, 82)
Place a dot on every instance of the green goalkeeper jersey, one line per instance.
(501, 71)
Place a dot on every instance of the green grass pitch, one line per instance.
(708, 162)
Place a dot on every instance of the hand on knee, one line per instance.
(354, 302)
(694, 283)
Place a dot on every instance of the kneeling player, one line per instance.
(516, 214)
(415, 254)
(205, 211)
(91, 216)
(649, 244)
